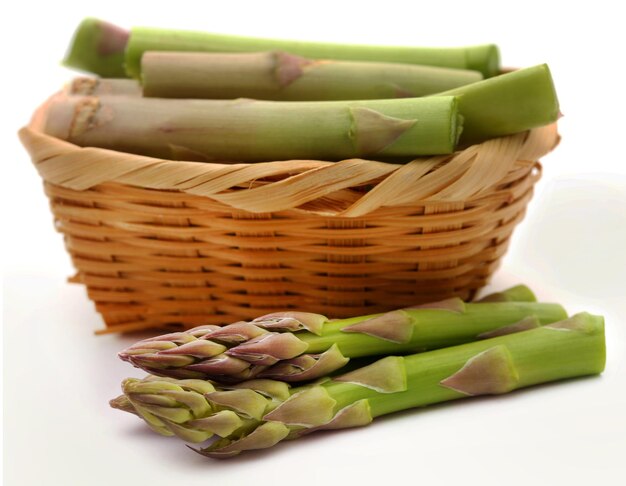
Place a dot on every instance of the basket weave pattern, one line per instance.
(179, 244)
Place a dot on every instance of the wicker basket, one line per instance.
(179, 244)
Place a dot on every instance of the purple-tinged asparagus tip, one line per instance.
(264, 436)
(269, 348)
(201, 332)
(220, 365)
(122, 403)
(236, 333)
(307, 366)
(310, 407)
(222, 423)
(159, 361)
(246, 402)
(292, 321)
(272, 389)
(200, 348)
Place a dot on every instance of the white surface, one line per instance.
(58, 376)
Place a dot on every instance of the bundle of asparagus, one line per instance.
(252, 130)
(257, 414)
(298, 346)
(336, 105)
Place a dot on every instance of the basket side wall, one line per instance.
(155, 258)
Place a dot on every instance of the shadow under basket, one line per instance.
(166, 244)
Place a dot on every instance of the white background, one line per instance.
(58, 376)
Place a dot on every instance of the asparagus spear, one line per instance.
(298, 346)
(98, 47)
(483, 58)
(506, 104)
(251, 130)
(260, 413)
(281, 76)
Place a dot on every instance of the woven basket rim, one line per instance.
(273, 186)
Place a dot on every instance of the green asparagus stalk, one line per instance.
(250, 130)
(506, 104)
(260, 413)
(98, 47)
(87, 86)
(299, 346)
(281, 76)
(482, 58)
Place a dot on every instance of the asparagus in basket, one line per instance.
(260, 413)
(86, 50)
(502, 105)
(506, 104)
(252, 130)
(282, 76)
(98, 47)
(298, 346)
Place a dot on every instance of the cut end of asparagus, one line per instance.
(98, 47)
(508, 103)
(66, 117)
(484, 58)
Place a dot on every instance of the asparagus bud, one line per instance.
(260, 413)
(286, 77)
(298, 346)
